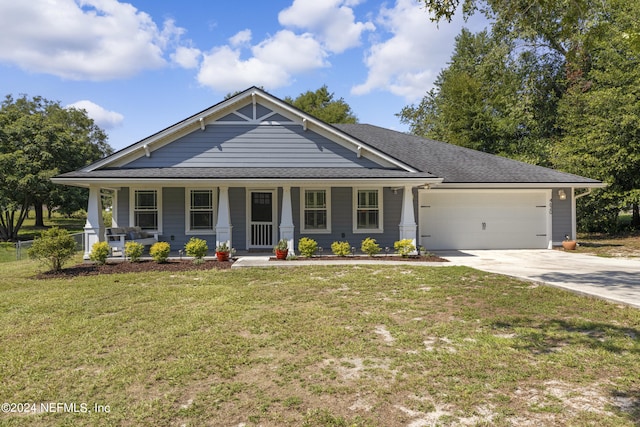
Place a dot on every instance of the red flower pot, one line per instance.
(282, 254)
(222, 256)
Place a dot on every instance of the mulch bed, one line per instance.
(133, 267)
(411, 258)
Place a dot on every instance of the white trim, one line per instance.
(515, 185)
(274, 215)
(303, 229)
(354, 207)
(225, 107)
(187, 211)
(132, 203)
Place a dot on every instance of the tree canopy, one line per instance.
(553, 83)
(40, 139)
(321, 104)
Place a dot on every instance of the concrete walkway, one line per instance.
(614, 279)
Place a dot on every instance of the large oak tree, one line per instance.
(39, 139)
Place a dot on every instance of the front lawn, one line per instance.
(610, 246)
(313, 346)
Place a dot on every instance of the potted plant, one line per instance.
(222, 251)
(568, 244)
(281, 249)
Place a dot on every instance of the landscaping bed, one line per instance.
(411, 258)
(133, 267)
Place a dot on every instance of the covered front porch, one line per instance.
(253, 217)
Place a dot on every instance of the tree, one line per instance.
(492, 99)
(40, 139)
(600, 116)
(321, 104)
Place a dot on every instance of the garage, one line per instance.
(484, 219)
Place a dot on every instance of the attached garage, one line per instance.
(484, 219)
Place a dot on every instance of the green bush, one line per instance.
(133, 251)
(54, 247)
(160, 252)
(370, 247)
(404, 247)
(99, 252)
(341, 248)
(307, 247)
(196, 248)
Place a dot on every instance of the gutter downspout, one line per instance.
(573, 202)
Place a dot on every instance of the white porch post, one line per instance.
(223, 226)
(286, 224)
(94, 227)
(408, 226)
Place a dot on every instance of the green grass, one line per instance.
(315, 346)
(29, 231)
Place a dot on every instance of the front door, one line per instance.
(261, 219)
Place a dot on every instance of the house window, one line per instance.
(368, 211)
(200, 211)
(316, 213)
(146, 213)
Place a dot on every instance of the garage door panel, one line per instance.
(483, 220)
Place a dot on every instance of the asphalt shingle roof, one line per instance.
(454, 163)
(245, 173)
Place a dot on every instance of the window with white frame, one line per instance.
(200, 211)
(316, 210)
(367, 211)
(146, 211)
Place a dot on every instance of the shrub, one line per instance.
(341, 248)
(133, 251)
(99, 252)
(54, 247)
(307, 247)
(160, 252)
(370, 247)
(196, 248)
(404, 247)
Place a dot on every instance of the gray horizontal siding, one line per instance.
(562, 223)
(252, 146)
(173, 218)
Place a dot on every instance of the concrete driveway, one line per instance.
(609, 278)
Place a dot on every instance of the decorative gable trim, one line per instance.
(245, 108)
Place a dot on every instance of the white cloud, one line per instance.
(407, 63)
(82, 39)
(102, 117)
(243, 38)
(332, 21)
(186, 57)
(272, 64)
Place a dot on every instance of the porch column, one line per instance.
(223, 226)
(408, 227)
(94, 227)
(286, 224)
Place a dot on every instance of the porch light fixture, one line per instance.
(562, 195)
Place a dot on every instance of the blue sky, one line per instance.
(141, 66)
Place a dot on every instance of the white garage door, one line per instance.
(483, 220)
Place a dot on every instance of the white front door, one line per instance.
(262, 216)
(484, 219)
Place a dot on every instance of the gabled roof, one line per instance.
(220, 112)
(390, 155)
(457, 164)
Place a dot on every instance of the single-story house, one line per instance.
(252, 170)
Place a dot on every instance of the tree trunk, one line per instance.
(37, 207)
(635, 219)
